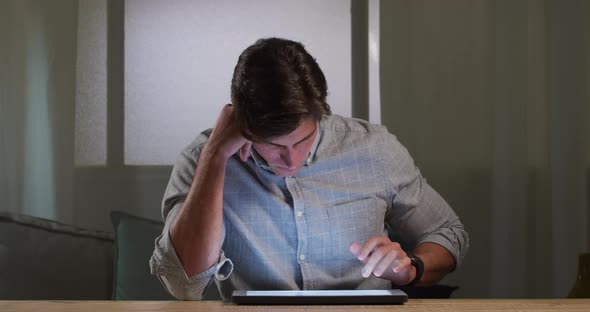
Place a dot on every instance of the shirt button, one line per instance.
(299, 213)
(302, 257)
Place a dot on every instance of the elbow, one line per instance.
(177, 286)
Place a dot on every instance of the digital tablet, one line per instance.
(381, 296)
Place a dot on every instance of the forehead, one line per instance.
(304, 131)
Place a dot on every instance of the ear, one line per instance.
(245, 151)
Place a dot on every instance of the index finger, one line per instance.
(370, 245)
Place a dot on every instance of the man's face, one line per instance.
(287, 154)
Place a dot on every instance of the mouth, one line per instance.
(286, 170)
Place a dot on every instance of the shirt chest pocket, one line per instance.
(354, 221)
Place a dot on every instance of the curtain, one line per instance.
(492, 99)
(37, 91)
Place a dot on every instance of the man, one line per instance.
(282, 194)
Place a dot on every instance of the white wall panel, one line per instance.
(180, 55)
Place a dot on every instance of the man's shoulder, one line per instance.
(347, 125)
(195, 146)
(357, 133)
(343, 133)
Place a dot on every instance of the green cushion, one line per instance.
(134, 245)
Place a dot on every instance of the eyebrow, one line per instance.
(305, 138)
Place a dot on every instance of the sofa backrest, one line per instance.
(44, 259)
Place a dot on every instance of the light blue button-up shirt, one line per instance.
(295, 232)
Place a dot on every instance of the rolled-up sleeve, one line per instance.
(432, 221)
(165, 264)
(419, 214)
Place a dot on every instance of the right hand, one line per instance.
(385, 259)
(226, 138)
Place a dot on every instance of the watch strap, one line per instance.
(419, 265)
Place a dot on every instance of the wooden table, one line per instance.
(430, 305)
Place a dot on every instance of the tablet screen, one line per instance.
(380, 296)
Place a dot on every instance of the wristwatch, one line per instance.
(419, 265)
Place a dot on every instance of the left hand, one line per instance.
(384, 259)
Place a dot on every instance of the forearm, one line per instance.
(197, 231)
(438, 262)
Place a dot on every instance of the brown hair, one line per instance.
(277, 84)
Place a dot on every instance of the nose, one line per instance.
(290, 158)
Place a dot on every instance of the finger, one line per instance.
(245, 151)
(402, 264)
(368, 247)
(227, 108)
(386, 262)
(378, 255)
(355, 248)
(223, 118)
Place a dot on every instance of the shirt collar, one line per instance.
(260, 162)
